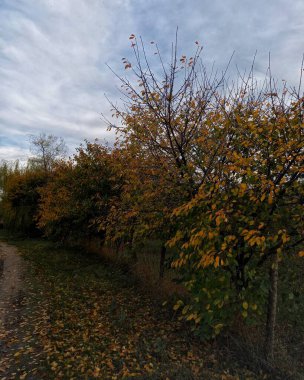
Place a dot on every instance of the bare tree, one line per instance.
(47, 148)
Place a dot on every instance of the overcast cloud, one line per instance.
(53, 54)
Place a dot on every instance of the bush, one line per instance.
(19, 204)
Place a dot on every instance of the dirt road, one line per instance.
(12, 331)
(10, 280)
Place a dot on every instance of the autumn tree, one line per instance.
(161, 121)
(233, 155)
(75, 203)
(4, 170)
(20, 198)
(250, 216)
(147, 198)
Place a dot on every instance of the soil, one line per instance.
(14, 359)
(11, 265)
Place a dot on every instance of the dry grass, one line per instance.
(145, 268)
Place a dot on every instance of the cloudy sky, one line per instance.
(53, 55)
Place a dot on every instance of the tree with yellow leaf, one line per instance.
(161, 126)
(20, 197)
(250, 216)
(77, 199)
(236, 161)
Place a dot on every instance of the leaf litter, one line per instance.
(79, 318)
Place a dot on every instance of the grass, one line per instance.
(90, 319)
(146, 268)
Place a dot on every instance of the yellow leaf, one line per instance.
(301, 253)
(218, 220)
(178, 305)
(245, 305)
(224, 246)
(270, 199)
(198, 319)
(244, 313)
(191, 316)
(96, 372)
(217, 328)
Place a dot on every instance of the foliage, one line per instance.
(251, 211)
(158, 128)
(19, 204)
(77, 198)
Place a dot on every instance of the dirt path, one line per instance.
(10, 280)
(65, 315)
(15, 352)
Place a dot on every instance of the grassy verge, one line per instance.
(91, 320)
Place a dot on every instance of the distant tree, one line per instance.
(3, 173)
(20, 198)
(47, 148)
(76, 201)
(6, 168)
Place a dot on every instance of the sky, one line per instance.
(54, 55)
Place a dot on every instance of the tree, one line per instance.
(20, 199)
(162, 118)
(249, 218)
(47, 148)
(76, 201)
(236, 150)
(164, 111)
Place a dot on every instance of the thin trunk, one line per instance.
(162, 262)
(134, 254)
(134, 251)
(132, 247)
(272, 309)
(117, 247)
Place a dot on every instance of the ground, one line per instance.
(20, 354)
(66, 315)
(10, 279)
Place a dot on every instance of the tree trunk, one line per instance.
(133, 249)
(162, 262)
(272, 309)
(133, 252)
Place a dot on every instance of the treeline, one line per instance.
(214, 171)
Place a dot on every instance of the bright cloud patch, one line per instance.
(53, 54)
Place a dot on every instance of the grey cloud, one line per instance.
(53, 53)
